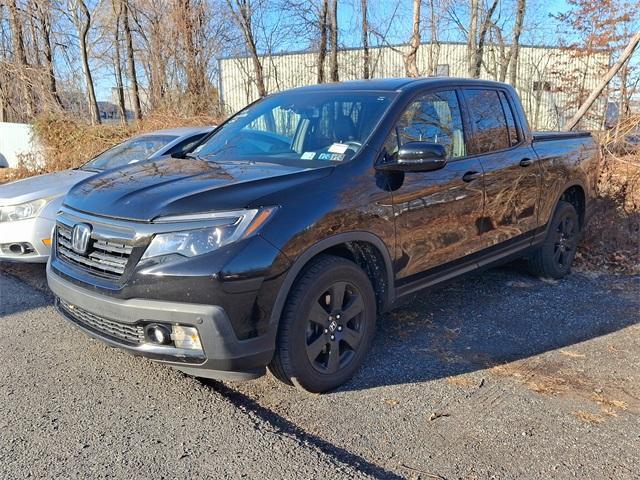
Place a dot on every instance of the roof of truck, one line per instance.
(398, 84)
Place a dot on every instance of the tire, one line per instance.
(554, 257)
(326, 327)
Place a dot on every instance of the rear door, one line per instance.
(511, 170)
(437, 213)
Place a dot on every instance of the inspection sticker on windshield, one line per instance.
(308, 155)
(334, 157)
(338, 148)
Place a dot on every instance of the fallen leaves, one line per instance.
(572, 354)
(588, 417)
(435, 415)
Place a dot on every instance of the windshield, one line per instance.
(131, 151)
(315, 127)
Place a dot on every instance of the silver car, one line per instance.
(28, 207)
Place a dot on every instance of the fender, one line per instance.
(319, 247)
(543, 229)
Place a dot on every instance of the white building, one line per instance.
(543, 75)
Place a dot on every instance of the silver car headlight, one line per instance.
(223, 228)
(22, 211)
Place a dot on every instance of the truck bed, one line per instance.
(542, 136)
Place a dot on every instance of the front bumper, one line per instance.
(223, 356)
(33, 231)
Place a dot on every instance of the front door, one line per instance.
(437, 213)
(511, 170)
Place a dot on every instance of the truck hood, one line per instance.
(169, 186)
(42, 186)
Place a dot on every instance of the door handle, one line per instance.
(525, 162)
(471, 176)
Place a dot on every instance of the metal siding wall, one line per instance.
(546, 110)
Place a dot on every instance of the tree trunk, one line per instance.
(365, 42)
(514, 51)
(334, 41)
(322, 50)
(45, 31)
(479, 51)
(20, 57)
(243, 18)
(434, 48)
(472, 38)
(117, 8)
(626, 54)
(134, 93)
(410, 63)
(83, 24)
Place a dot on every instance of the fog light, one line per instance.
(159, 334)
(186, 337)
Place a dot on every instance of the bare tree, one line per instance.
(241, 12)
(131, 64)
(191, 15)
(323, 26)
(472, 37)
(19, 55)
(434, 47)
(150, 23)
(410, 63)
(365, 41)
(514, 51)
(43, 9)
(117, 61)
(333, 22)
(82, 20)
(595, 93)
(476, 39)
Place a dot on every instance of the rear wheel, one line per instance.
(326, 327)
(554, 257)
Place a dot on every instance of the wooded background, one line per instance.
(60, 56)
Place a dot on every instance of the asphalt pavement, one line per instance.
(498, 375)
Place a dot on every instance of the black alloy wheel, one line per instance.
(553, 258)
(327, 325)
(335, 328)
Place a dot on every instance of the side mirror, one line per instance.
(417, 157)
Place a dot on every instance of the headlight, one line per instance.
(22, 211)
(223, 229)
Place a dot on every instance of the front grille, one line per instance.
(105, 258)
(122, 332)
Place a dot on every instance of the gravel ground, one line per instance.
(499, 375)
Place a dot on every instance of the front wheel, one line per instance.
(554, 257)
(326, 327)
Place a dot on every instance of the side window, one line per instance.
(186, 145)
(514, 138)
(490, 125)
(434, 118)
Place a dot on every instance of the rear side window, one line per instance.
(488, 118)
(514, 138)
(433, 118)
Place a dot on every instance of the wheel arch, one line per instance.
(576, 195)
(572, 191)
(364, 248)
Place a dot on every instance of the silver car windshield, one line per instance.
(131, 151)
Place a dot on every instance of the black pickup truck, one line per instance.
(283, 236)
